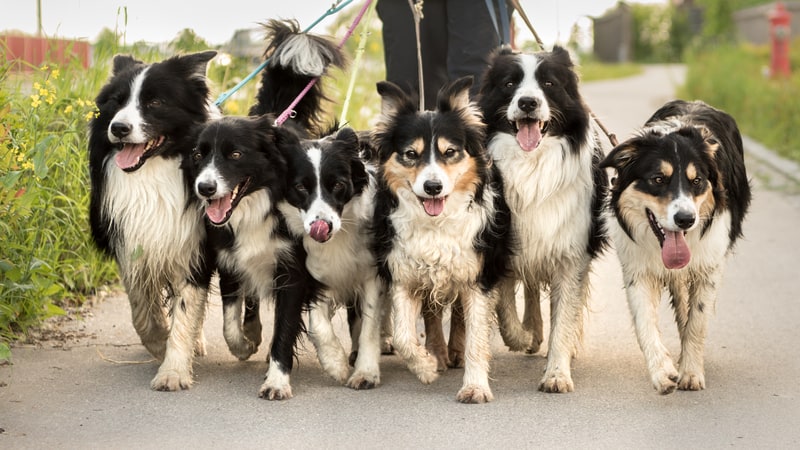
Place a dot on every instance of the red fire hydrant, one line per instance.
(780, 34)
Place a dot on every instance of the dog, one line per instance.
(542, 138)
(238, 170)
(142, 210)
(329, 205)
(442, 228)
(675, 211)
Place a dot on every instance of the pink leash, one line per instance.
(289, 111)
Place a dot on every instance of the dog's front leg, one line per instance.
(406, 309)
(702, 298)
(188, 314)
(330, 353)
(367, 371)
(475, 389)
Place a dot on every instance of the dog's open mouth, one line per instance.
(132, 156)
(433, 206)
(219, 210)
(529, 132)
(675, 253)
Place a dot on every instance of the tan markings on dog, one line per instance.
(667, 169)
(705, 203)
(397, 175)
(633, 202)
(711, 141)
(464, 173)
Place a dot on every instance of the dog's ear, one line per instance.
(122, 63)
(621, 155)
(561, 56)
(393, 100)
(455, 96)
(349, 138)
(196, 63)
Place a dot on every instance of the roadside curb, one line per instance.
(785, 167)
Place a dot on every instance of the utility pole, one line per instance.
(39, 18)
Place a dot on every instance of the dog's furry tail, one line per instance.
(295, 58)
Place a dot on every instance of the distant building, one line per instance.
(752, 24)
(31, 51)
(613, 34)
(247, 43)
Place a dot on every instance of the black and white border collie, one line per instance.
(239, 169)
(441, 225)
(541, 137)
(675, 211)
(329, 205)
(142, 209)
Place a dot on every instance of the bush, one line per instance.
(733, 78)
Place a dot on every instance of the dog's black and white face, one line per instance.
(665, 182)
(532, 95)
(323, 179)
(236, 157)
(145, 109)
(432, 154)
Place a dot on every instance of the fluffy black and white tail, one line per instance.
(295, 58)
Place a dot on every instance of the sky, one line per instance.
(215, 21)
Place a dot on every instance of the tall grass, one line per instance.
(733, 77)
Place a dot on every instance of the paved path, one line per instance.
(91, 389)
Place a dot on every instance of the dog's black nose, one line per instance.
(121, 129)
(527, 104)
(685, 220)
(207, 188)
(432, 187)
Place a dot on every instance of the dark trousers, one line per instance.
(457, 37)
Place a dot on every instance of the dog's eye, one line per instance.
(338, 187)
(300, 187)
(450, 152)
(154, 103)
(236, 155)
(697, 181)
(197, 155)
(410, 154)
(658, 179)
(548, 83)
(510, 84)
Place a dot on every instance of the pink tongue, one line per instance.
(529, 134)
(320, 231)
(129, 155)
(433, 206)
(675, 253)
(217, 209)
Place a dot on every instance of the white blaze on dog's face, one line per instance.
(320, 220)
(528, 110)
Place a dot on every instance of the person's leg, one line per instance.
(400, 46)
(471, 39)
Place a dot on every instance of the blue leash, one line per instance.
(335, 8)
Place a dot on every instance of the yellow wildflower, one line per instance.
(50, 99)
(27, 165)
(55, 73)
(43, 92)
(81, 103)
(45, 68)
(68, 109)
(37, 86)
(35, 101)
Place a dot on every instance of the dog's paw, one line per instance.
(363, 380)
(692, 381)
(426, 369)
(665, 381)
(171, 380)
(557, 382)
(386, 346)
(474, 393)
(269, 392)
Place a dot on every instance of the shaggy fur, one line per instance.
(441, 225)
(239, 170)
(675, 211)
(329, 205)
(142, 210)
(542, 139)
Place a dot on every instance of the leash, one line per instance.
(611, 136)
(289, 111)
(362, 44)
(335, 8)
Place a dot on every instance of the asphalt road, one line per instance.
(89, 386)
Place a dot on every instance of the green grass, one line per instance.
(732, 78)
